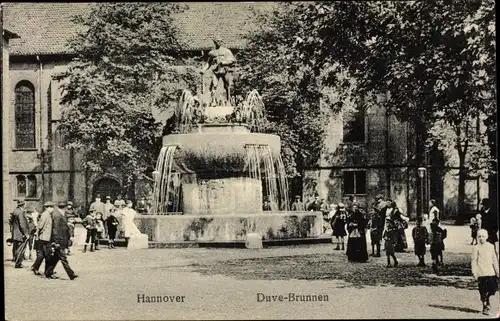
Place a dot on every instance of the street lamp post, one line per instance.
(421, 175)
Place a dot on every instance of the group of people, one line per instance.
(385, 222)
(49, 233)
(105, 220)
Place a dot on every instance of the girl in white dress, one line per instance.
(128, 226)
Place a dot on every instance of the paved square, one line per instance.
(224, 283)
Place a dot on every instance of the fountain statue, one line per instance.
(211, 178)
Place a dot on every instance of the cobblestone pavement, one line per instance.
(111, 280)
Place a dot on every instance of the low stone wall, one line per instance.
(271, 225)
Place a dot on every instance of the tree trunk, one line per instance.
(462, 175)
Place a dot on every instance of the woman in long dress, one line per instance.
(402, 224)
(356, 243)
(128, 226)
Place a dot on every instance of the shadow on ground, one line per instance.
(452, 308)
(456, 273)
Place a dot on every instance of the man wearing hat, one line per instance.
(97, 205)
(315, 205)
(297, 205)
(377, 223)
(70, 211)
(60, 241)
(43, 236)
(20, 233)
(220, 61)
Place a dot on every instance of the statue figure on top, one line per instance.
(220, 62)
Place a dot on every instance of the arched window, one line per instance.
(21, 186)
(26, 186)
(25, 115)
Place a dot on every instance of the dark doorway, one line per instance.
(106, 187)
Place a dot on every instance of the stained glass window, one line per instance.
(25, 115)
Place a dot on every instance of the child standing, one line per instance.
(390, 236)
(484, 264)
(112, 224)
(71, 227)
(90, 224)
(338, 223)
(420, 236)
(474, 227)
(99, 230)
(437, 245)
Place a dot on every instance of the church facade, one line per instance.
(365, 154)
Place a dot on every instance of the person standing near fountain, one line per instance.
(316, 205)
(97, 205)
(356, 243)
(220, 61)
(129, 227)
(297, 204)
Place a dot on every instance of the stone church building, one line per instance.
(365, 153)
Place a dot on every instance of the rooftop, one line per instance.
(45, 28)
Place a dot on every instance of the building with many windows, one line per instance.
(367, 153)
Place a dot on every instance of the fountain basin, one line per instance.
(218, 151)
(228, 228)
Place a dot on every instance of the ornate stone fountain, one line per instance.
(212, 177)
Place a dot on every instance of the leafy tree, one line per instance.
(124, 66)
(290, 92)
(433, 60)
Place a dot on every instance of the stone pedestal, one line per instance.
(222, 196)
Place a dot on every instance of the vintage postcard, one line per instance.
(249, 160)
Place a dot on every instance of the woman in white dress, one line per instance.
(128, 226)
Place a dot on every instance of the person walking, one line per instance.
(401, 222)
(20, 233)
(32, 230)
(43, 235)
(60, 240)
(484, 266)
(437, 244)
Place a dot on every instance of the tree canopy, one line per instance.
(123, 67)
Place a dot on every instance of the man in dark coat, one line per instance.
(315, 206)
(489, 219)
(60, 241)
(20, 233)
(377, 224)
